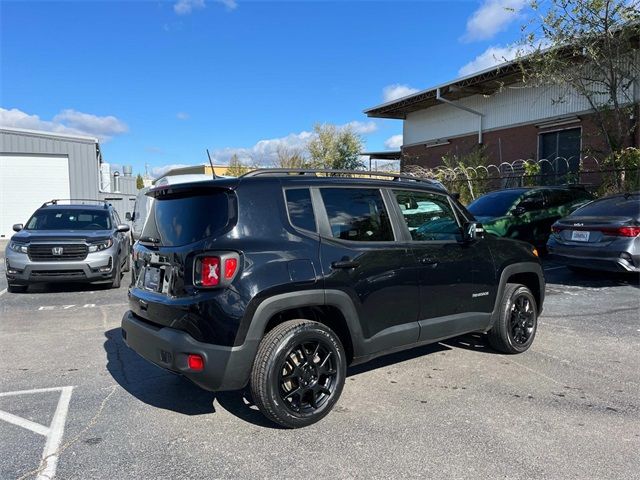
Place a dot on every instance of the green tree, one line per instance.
(290, 158)
(335, 147)
(588, 48)
(139, 182)
(236, 167)
(464, 174)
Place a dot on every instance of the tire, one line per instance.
(117, 276)
(17, 288)
(298, 373)
(515, 328)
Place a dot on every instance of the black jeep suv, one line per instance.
(281, 279)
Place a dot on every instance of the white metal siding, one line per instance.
(26, 182)
(514, 105)
(83, 160)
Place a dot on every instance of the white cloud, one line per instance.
(265, 152)
(182, 116)
(362, 127)
(185, 7)
(67, 121)
(491, 57)
(393, 92)
(394, 142)
(230, 4)
(492, 17)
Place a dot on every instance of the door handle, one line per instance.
(345, 264)
(428, 261)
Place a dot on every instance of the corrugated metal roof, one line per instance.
(42, 133)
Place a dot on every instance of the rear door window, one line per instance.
(300, 208)
(557, 198)
(357, 214)
(428, 216)
(182, 219)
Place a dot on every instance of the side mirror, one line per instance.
(17, 227)
(123, 228)
(473, 231)
(128, 217)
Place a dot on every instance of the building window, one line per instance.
(561, 150)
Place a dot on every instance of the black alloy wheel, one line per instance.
(522, 319)
(298, 373)
(515, 328)
(308, 376)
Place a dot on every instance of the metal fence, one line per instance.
(473, 181)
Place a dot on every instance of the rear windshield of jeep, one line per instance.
(187, 218)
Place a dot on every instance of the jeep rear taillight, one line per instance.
(230, 267)
(215, 269)
(209, 271)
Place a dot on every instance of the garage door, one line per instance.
(26, 182)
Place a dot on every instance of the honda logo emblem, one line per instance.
(57, 251)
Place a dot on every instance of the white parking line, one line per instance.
(3, 291)
(53, 433)
(24, 423)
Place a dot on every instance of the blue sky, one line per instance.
(160, 81)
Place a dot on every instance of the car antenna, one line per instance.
(213, 170)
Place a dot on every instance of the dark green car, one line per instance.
(527, 213)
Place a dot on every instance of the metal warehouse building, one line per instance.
(36, 167)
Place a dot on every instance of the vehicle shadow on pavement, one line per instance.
(65, 287)
(159, 388)
(476, 342)
(592, 279)
(399, 357)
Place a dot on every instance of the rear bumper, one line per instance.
(225, 368)
(590, 263)
(615, 257)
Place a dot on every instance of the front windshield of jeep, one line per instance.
(494, 204)
(69, 219)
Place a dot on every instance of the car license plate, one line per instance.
(578, 236)
(152, 278)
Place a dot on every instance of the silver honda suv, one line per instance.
(74, 242)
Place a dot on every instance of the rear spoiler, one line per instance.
(192, 188)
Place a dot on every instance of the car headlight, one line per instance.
(102, 245)
(18, 247)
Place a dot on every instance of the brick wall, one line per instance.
(509, 144)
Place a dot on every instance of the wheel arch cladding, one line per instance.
(528, 274)
(328, 315)
(333, 309)
(529, 280)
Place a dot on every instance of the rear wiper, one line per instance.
(149, 240)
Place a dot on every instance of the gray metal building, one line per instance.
(36, 167)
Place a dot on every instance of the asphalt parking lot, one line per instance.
(568, 408)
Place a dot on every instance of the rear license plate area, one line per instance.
(580, 236)
(152, 279)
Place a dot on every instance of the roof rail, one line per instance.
(397, 177)
(81, 201)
